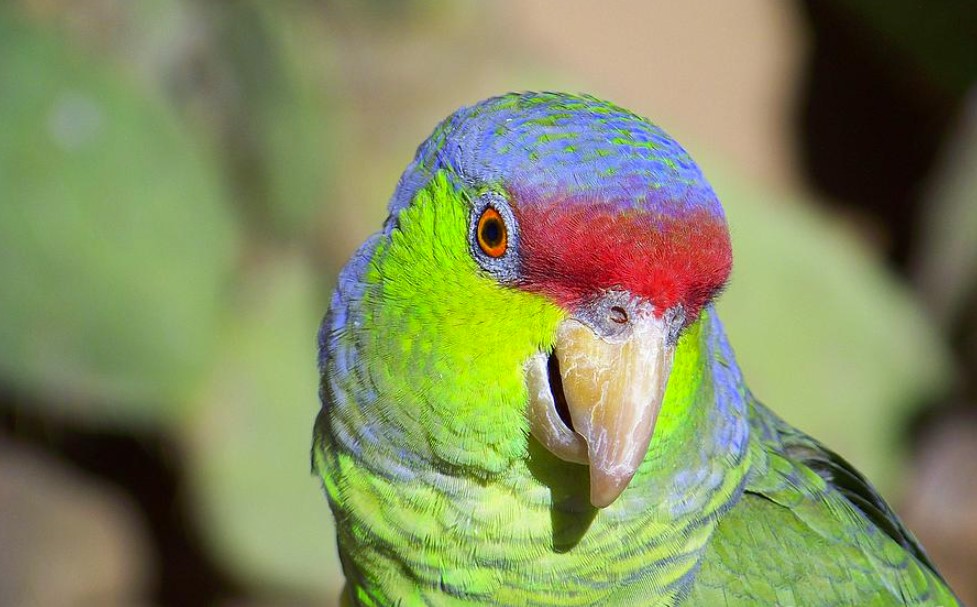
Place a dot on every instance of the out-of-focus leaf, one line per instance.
(250, 438)
(280, 60)
(115, 242)
(824, 334)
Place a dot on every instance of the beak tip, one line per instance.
(605, 489)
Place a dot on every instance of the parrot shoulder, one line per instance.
(811, 530)
(783, 440)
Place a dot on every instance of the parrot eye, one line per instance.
(493, 236)
(491, 233)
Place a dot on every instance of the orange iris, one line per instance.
(491, 233)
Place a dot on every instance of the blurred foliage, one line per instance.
(250, 431)
(825, 335)
(179, 180)
(118, 242)
(280, 141)
(135, 171)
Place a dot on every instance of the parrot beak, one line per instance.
(611, 385)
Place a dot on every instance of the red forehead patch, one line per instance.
(573, 252)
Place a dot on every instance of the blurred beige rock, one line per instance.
(714, 74)
(66, 539)
(940, 507)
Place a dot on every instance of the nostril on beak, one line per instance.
(618, 315)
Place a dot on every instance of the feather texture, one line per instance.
(441, 495)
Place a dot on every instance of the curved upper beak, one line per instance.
(612, 388)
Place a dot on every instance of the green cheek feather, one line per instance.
(440, 328)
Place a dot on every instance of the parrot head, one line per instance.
(544, 256)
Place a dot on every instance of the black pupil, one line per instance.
(492, 232)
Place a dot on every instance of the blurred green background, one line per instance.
(181, 180)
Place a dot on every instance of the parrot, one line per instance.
(527, 396)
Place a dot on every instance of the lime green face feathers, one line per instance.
(528, 399)
(440, 325)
